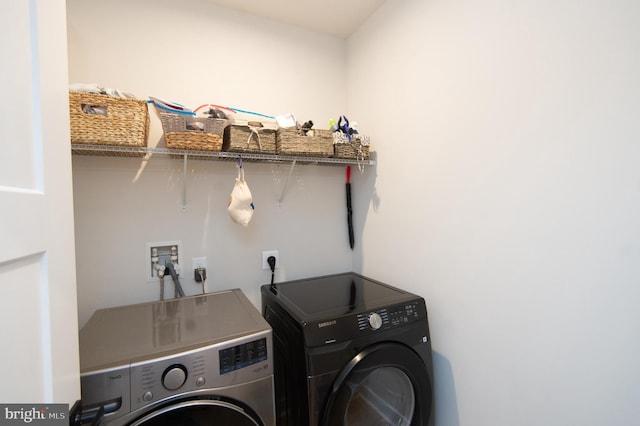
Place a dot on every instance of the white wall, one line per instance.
(507, 193)
(193, 52)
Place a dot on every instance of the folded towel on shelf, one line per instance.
(96, 88)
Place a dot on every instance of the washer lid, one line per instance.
(118, 336)
(328, 296)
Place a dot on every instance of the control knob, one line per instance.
(174, 377)
(375, 321)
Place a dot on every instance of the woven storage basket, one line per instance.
(357, 147)
(251, 138)
(291, 141)
(108, 120)
(189, 132)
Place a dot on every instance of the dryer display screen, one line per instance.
(244, 355)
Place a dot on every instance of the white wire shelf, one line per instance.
(146, 153)
(123, 151)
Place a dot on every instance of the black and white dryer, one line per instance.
(196, 361)
(349, 350)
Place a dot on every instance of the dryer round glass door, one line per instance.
(386, 384)
(199, 413)
(382, 396)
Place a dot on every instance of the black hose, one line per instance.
(176, 281)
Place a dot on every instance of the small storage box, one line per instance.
(253, 138)
(357, 147)
(183, 131)
(97, 119)
(293, 141)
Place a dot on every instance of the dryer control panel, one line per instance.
(393, 316)
(341, 328)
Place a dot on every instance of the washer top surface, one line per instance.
(334, 295)
(136, 333)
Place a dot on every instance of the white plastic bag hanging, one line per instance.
(240, 205)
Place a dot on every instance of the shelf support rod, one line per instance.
(184, 184)
(284, 187)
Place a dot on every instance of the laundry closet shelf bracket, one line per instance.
(184, 184)
(286, 182)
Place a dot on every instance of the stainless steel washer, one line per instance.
(196, 360)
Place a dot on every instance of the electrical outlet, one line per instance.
(265, 256)
(161, 253)
(199, 275)
(199, 262)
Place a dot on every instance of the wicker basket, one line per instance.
(182, 131)
(291, 141)
(252, 138)
(357, 147)
(97, 119)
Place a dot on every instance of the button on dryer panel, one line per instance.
(373, 320)
(403, 314)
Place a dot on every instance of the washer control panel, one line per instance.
(211, 367)
(241, 356)
(388, 317)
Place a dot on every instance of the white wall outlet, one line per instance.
(265, 256)
(161, 253)
(199, 262)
